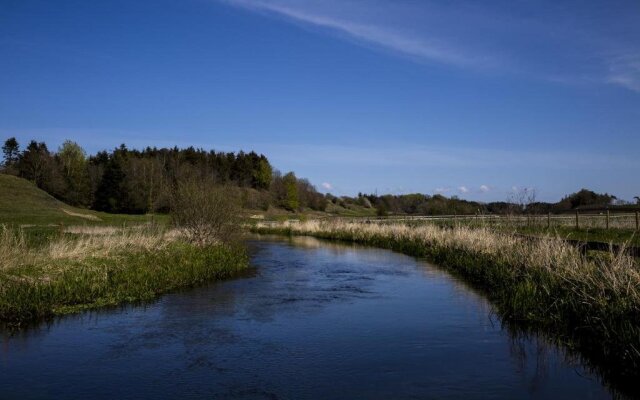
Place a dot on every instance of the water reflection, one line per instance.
(313, 320)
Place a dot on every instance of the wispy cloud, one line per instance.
(484, 188)
(463, 189)
(542, 45)
(386, 36)
(624, 70)
(442, 190)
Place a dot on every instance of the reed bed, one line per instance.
(592, 300)
(90, 267)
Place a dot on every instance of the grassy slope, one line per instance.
(22, 203)
(351, 210)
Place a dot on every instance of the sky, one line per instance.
(466, 98)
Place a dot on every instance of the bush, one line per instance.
(205, 213)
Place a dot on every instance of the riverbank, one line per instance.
(590, 302)
(89, 267)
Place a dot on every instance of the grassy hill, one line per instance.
(24, 204)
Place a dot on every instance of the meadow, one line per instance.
(589, 301)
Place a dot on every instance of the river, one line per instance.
(311, 320)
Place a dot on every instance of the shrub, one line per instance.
(206, 214)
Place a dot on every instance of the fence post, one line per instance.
(607, 219)
(549, 220)
(577, 220)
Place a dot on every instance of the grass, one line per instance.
(23, 204)
(591, 302)
(89, 267)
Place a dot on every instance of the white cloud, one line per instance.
(327, 185)
(484, 188)
(463, 189)
(442, 190)
(384, 35)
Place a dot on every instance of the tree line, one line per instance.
(127, 180)
(523, 202)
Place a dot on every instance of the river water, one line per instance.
(311, 320)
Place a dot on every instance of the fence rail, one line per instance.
(604, 219)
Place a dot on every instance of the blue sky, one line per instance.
(463, 98)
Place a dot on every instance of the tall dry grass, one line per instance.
(13, 247)
(82, 243)
(586, 221)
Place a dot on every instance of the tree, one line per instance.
(33, 162)
(73, 164)
(291, 201)
(262, 174)
(382, 210)
(522, 199)
(583, 198)
(72, 159)
(637, 198)
(111, 195)
(10, 152)
(145, 185)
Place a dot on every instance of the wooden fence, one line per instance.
(588, 219)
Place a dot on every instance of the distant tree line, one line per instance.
(126, 180)
(523, 203)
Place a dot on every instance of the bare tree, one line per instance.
(522, 198)
(207, 214)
